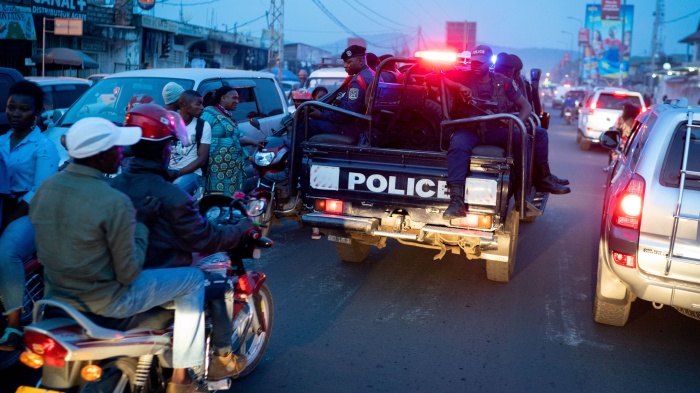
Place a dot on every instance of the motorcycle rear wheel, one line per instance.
(255, 340)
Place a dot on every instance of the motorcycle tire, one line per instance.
(268, 217)
(255, 342)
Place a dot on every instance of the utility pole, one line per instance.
(658, 19)
(275, 53)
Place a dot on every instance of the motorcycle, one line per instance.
(76, 352)
(568, 115)
(33, 292)
(272, 197)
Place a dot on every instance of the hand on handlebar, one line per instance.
(465, 93)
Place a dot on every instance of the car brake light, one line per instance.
(644, 108)
(628, 207)
(619, 94)
(54, 353)
(448, 57)
(592, 108)
(329, 206)
(625, 260)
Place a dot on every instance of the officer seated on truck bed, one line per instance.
(483, 84)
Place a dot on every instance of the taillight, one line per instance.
(481, 221)
(329, 206)
(592, 108)
(628, 204)
(644, 108)
(625, 260)
(54, 354)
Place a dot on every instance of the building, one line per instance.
(298, 56)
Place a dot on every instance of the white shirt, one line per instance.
(183, 156)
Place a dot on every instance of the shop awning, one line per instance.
(66, 57)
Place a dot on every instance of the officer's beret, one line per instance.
(352, 51)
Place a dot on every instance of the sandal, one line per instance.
(11, 340)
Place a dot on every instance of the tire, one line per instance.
(423, 130)
(507, 246)
(689, 313)
(268, 217)
(354, 252)
(610, 311)
(584, 144)
(254, 343)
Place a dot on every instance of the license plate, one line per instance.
(28, 389)
(339, 239)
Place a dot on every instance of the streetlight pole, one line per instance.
(580, 56)
(225, 27)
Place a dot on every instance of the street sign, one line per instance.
(583, 37)
(68, 26)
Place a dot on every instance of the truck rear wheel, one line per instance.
(507, 246)
(354, 252)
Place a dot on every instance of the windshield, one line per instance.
(109, 98)
(615, 101)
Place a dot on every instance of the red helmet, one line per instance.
(139, 99)
(157, 123)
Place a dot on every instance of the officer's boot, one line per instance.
(457, 208)
(558, 180)
(545, 183)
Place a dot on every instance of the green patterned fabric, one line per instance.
(225, 174)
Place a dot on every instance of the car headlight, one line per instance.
(256, 207)
(213, 213)
(264, 158)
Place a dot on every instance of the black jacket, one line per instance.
(179, 230)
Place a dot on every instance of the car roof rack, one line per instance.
(677, 102)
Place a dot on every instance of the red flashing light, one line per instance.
(54, 354)
(333, 206)
(625, 260)
(448, 57)
(628, 207)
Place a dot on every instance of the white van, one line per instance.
(260, 97)
(330, 78)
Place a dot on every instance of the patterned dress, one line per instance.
(226, 157)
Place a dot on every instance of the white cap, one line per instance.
(93, 135)
(171, 92)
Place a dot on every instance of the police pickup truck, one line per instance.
(396, 187)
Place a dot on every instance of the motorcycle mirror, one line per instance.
(255, 122)
(535, 75)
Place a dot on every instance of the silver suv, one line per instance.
(651, 211)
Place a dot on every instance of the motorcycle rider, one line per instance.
(569, 103)
(483, 84)
(92, 244)
(179, 230)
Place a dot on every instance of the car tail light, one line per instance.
(628, 204)
(619, 94)
(625, 260)
(329, 206)
(481, 221)
(54, 353)
(644, 108)
(592, 108)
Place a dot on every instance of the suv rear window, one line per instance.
(615, 101)
(671, 169)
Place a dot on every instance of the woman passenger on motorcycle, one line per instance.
(226, 157)
(29, 158)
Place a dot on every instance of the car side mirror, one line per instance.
(611, 139)
(56, 116)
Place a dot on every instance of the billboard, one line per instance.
(608, 52)
(461, 36)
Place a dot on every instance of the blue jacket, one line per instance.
(351, 96)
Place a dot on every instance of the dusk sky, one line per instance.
(508, 23)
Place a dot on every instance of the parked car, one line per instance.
(260, 97)
(94, 78)
(8, 77)
(600, 111)
(60, 93)
(331, 78)
(643, 222)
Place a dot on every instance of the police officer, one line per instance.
(483, 84)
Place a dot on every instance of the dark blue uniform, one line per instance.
(351, 97)
(500, 89)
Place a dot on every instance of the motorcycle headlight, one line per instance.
(256, 207)
(213, 213)
(264, 158)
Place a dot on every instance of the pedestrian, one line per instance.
(186, 162)
(28, 159)
(171, 93)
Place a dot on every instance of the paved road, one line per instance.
(402, 322)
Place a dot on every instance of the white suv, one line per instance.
(600, 111)
(641, 225)
(260, 97)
